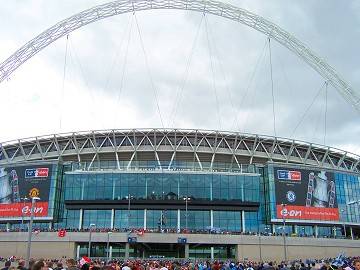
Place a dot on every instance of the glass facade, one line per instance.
(101, 218)
(168, 190)
(227, 220)
(125, 219)
(161, 186)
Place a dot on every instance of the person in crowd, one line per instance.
(21, 265)
(356, 264)
(39, 265)
(162, 266)
(59, 266)
(126, 267)
(7, 265)
(71, 264)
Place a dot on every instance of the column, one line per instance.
(211, 219)
(316, 231)
(78, 252)
(81, 218)
(178, 220)
(145, 211)
(238, 254)
(110, 252)
(113, 188)
(351, 233)
(82, 190)
(127, 251)
(187, 251)
(212, 253)
(243, 220)
(112, 219)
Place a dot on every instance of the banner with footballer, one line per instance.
(306, 194)
(17, 183)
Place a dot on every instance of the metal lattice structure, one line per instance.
(234, 13)
(165, 147)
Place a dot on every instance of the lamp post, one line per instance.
(342, 211)
(128, 197)
(90, 234)
(108, 246)
(28, 252)
(25, 199)
(283, 230)
(186, 199)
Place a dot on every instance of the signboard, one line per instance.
(17, 183)
(132, 239)
(307, 194)
(182, 240)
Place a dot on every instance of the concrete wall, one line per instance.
(49, 245)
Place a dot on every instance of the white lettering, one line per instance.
(37, 210)
(291, 213)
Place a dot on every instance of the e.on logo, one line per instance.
(37, 210)
(291, 213)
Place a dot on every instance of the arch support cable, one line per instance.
(231, 12)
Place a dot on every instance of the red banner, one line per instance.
(21, 209)
(62, 233)
(310, 213)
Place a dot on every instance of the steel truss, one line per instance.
(209, 7)
(199, 146)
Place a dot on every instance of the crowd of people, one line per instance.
(166, 230)
(344, 263)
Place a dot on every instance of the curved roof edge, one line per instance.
(258, 148)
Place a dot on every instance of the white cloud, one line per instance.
(33, 102)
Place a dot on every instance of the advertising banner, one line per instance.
(17, 183)
(306, 194)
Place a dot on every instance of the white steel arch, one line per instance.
(210, 7)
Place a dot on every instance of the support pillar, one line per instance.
(351, 233)
(112, 218)
(238, 253)
(178, 220)
(212, 253)
(211, 219)
(243, 220)
(110, 253)
(127, 251)
(187, 251)
(78, 252)
(81, 219)
(145, 212)
(316, 231)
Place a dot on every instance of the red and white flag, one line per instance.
(62, 233)
(84, 260)
(140, 232)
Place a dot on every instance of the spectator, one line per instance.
(21, 265)
(7, 265)
(71, 264)
(356, 264)
(59, 266)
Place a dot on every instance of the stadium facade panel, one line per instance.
(180, 181)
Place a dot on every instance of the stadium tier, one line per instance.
(179, 193)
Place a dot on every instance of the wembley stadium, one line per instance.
(180, 194)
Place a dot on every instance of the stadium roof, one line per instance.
(203, 147)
